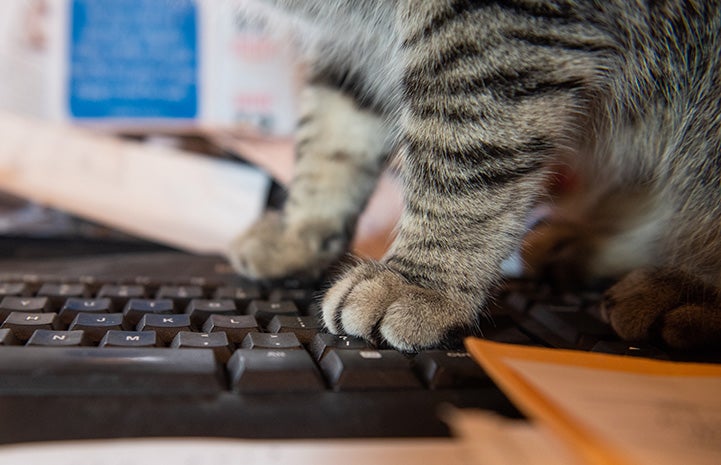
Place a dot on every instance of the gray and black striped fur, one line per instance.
(483, 101)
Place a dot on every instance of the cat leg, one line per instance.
(340, 152)
(474, 159)
(665, 305)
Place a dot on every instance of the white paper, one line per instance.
(237, 452)
(189, 201)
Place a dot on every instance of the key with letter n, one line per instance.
(44, 337)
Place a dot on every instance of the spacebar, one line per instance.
(112, 371)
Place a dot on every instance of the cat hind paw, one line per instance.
(668, 306)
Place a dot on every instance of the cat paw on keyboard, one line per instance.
(272, 249)
(667, 305)
(377, 303)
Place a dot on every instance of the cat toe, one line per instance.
(376, 303)
(667, 306)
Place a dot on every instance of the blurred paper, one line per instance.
(193, 202)
(238, 452)
(613, 409)
(490, 439)
(145, 65)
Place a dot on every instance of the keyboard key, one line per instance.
(206, 284)
(7, 338)
(236, 327)
(150, 284)
(46, 338)
(165, 326)
(23, 304)
(242, 296)
(271, 341)
(635, 349)
(304, 327)
(273, 370)
(516, 302)
(199, 310)
(264, 311)
(324, 342)
(14, 289)
(74, 305)
(107, 371)
(135, 309)
(502, 328)
(115, 338)
(302, 298)
(120, 294)
(181, 295)
(92, 284)
(23, 325)
(58, 293)
(95, 326)
(368, 370)
(216, 341)
(441, 370)
(575, 328)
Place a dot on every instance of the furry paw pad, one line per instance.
(271, 249)
(376, 303)
(664, 305)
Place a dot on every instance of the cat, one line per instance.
(483, 103)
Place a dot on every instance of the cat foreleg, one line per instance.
(340, 152)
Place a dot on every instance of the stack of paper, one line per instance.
(604, 409)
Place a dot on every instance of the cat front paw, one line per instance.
(379, 304)
(272, 249)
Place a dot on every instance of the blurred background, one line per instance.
(161, 121)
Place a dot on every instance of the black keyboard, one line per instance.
(118, 347)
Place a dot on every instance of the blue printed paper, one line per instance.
(133, 59)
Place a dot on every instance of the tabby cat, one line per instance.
(483, 102)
